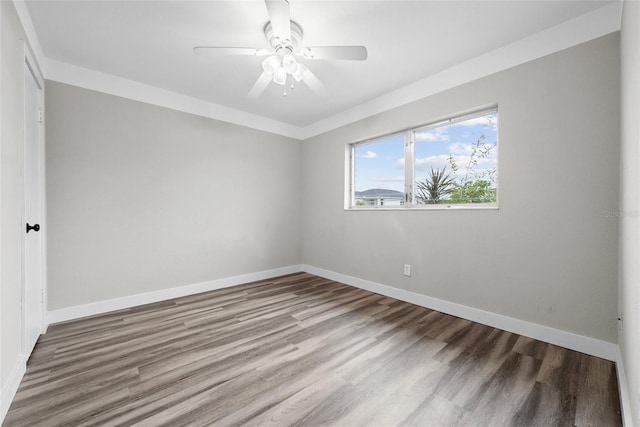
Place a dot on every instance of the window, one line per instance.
(379, 172)
(453, 163)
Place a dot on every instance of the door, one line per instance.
(33, 289)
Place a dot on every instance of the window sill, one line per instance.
(469, 207)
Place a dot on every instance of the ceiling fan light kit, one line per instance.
(282, 64)
(285, 39)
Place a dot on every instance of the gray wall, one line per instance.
(549, 254)
(11, 190)
(629, 287)
(141, 198)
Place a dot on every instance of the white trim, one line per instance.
(29, 29)
(409, 142)
(579, 30)
(443, 207)
(99, 307)
(576, 342)
(118, 86)
(583, 344)
(3, 399)
(10, 387)
(625, 403)
(29, 60)
(43, 221)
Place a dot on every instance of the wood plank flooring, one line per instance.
(302, 350)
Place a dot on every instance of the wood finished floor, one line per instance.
(304, 350)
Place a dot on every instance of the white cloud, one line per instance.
(367, 155)
(476, 121)
(425, 164)
(461, 149)
(433, 135)
(482, 120)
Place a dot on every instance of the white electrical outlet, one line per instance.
(407, 270)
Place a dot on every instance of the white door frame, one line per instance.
(31, 63)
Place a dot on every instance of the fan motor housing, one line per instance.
(292, 45)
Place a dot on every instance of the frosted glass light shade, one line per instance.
(289, 63)
(280, 76)
(300, 72)
(271, 64)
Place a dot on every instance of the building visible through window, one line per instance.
(450, 163)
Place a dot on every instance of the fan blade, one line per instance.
(280, 17)
(260, 85)
(352, 53)
(217, 50)
(314, 83)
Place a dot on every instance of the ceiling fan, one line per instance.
(284, 38)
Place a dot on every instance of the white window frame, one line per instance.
(409, 167)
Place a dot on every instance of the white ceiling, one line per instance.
(151, 42)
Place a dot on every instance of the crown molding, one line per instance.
(600, 22)
(107, 83)
(30, 31)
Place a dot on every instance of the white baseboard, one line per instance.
(10, 387)
(625, 403)
(99, 307)
(583, 344)
(592, 346)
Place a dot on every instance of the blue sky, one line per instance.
(380, 164)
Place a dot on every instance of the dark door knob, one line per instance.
(34, 227)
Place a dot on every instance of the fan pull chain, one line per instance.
(285, 85)
(292, 87)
